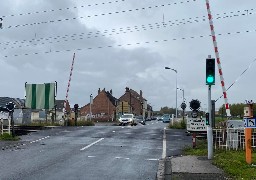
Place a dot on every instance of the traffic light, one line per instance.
(210, 71)
(207, 120)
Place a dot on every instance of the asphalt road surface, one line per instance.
(93, 153)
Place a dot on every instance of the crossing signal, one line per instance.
(207, 120)
(210, 71)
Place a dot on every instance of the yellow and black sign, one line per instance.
(123, 107)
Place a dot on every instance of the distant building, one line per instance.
(23, 115)
(134, 99)
(103, 107)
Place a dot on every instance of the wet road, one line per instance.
(93, 153)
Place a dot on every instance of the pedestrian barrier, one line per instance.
(231, 138)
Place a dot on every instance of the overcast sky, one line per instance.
(127, 43)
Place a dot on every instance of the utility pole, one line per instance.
(91, 101)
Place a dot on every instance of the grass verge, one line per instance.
(8, 137)
(232, 162)
(178, 125)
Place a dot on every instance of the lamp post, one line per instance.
(91, 107)
(183, 101)
(176, 88)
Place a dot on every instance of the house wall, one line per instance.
(135, 102)
(102, 108)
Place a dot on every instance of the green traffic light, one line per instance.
(210, 79)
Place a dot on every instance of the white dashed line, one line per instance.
(86, 147)
(152, 159)
(122, 158)
(91, 156)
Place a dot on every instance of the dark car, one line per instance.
(139, 119)
(153, 117)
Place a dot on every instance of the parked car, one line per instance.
(148, 119)
(127, 119)
(166, 118)
(139, 119)
(153, 117)
(159, 118)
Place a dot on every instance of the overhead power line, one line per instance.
(237, 78)
(62, 9)
(96, 15)
(76, 36)
(129, 44)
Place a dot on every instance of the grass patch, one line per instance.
(199, 150)
(178, 125)
(232, 162)
(8, 137)
(41, 124)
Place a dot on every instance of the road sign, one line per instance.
(196, 125)
(183, 105)
(250, 122)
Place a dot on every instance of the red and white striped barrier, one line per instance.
(70, 75)
(218, 58)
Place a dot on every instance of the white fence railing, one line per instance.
(231, 138)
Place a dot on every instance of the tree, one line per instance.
(167, 110)
(236, 110)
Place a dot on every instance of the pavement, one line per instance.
(190, 168)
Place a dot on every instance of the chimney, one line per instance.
(110, 91)
(140, 93)
(127, 89)
(99, 91)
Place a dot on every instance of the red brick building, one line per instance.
(103, 107)
(134, 99)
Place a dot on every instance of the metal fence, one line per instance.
(231, 138)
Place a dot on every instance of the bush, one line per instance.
(8, 137)
(178, 125)
(81, 123)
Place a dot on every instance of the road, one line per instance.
(93, 153)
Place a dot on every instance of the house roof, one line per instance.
(136, 95)
(111, 98)
(19, 103)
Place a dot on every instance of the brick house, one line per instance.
(134, 99)
(103, 107)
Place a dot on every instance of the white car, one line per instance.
(127, 119)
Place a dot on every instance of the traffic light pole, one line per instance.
(209, 128)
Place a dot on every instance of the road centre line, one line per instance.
(86, 147)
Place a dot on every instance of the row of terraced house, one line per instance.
(105, 107)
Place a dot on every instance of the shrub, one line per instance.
(177, 125)
(8, 137)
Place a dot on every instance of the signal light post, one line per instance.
(210, 80)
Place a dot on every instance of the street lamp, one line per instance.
(91, 107)
(176, 87)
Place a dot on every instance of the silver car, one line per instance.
(127, 119)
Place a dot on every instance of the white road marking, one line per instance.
(152, 159)
(86, 147)
(91, 156)
(164, 144)
(122, 158)
(113, 131)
